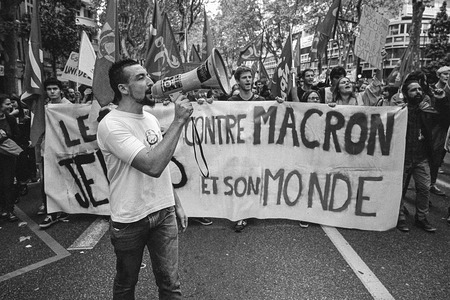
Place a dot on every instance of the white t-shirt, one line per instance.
(133, 194)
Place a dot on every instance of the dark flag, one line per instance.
(164, 59)
(108, 53)
(281, 78)
(251, 51)
(297, 51)
(207, 42)
(327, 28)
(157, 20)
(194, 57)
(33, 78)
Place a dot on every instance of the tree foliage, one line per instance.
(135, 18)
(59, 32)
(237, 23)
(240, 22)
(9, 33)
(438, 50)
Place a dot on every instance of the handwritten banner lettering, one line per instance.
(373, 29)
(337, 166)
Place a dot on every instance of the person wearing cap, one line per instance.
(422, 118)
(440, 130)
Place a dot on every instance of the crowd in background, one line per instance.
(337, 90)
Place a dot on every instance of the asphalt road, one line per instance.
(270, 259)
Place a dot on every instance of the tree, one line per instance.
(60, 34)
(135, 20)
(10, 29)
(438, 50)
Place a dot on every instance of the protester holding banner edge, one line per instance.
(53, 88)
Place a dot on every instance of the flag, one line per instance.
(326, 29)
(251, 51)
(281, 78)
(297, 51)
(33, 79)
(404, 67)
(260, 72)
(86, 58)
(108, 53)
(264, 76)
(207, 42)
(194, 56)
(313, 51)
(164, 59)
(157, 21)
(255, 71)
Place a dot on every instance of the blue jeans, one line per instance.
(159, 232)
(420, 172)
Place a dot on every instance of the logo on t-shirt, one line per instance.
(152, 137)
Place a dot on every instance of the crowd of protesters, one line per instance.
(428, 122)
(338, 90)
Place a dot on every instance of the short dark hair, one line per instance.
(303, 74)
(117, 76)
(52, 81)
(338, 71)
(418, 77)
(240, 71)
(3, 98)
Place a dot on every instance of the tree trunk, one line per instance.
(8, 14)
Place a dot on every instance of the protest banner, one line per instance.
(75, 171)
(72, 73)
(373, 29)
(337, 166)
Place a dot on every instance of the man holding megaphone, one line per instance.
(143, 203)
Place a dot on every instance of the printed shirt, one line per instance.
(133, 194)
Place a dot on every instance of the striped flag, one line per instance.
(33, 79)
(108, 53)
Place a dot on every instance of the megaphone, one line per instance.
(210, 74)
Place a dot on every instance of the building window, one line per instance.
(388, 40)
(394, 29)
(399, 39)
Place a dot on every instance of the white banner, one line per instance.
(87, 56)
(373, 29)
(72, 73)
(74, 168)
(337, 166)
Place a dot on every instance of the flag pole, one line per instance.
(292, 55)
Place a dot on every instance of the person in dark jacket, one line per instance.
(9, 133)
(421, 119)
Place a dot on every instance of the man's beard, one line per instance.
(147, 99)
(416, 99)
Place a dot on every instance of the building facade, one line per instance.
(397, 41)
(86, 15)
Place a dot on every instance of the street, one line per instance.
(269, 259)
